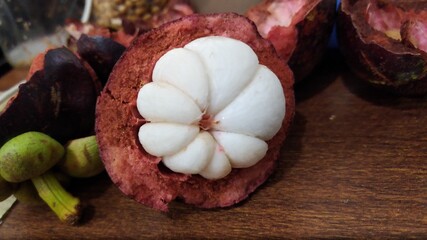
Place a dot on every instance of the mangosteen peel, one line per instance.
(155, 69)
(59, 100)
(298, 29)
(383, 45)
(101, 53)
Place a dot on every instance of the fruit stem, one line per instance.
(65, 206)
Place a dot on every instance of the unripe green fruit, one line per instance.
(28, 155)
(82, 158)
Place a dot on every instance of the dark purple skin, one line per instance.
(313, 37)
(58, 100)
(101, 53)
(77, 91)
(381, 61)
(303, 43)
(32, 109)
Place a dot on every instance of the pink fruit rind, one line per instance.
(309, 27)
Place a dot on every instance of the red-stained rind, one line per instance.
(139, 174)
(101, 53)
(377, 59)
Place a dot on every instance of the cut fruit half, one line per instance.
(384, 43)
(195, 110)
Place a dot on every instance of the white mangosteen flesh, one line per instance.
(210, 107)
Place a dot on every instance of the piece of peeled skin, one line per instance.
(193, 158)
(283, 12)
(163, 139)
(418, 34)
(183, 69)
(278, 14)
(247, 114)
(231, 67)
(162, 102)
(387, 20)
(243, 151)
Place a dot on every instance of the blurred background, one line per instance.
(28, 27)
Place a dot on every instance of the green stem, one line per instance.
(65, 206)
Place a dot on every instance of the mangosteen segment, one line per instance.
(101, 53)
(210, 76)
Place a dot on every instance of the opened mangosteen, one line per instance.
(298, 29)
(196, 110)
(384, 43)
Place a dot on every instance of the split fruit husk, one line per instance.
(101, 53)
(298, 29)
(143, 176)
(58, 99)
(382, 43)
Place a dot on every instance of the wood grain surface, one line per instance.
(354, 166)
(10, 78)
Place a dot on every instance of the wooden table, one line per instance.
(354, 166)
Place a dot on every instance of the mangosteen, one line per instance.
(384, 43)
(298, 29)
(196, 110)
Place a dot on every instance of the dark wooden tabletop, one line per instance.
(354, 166)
